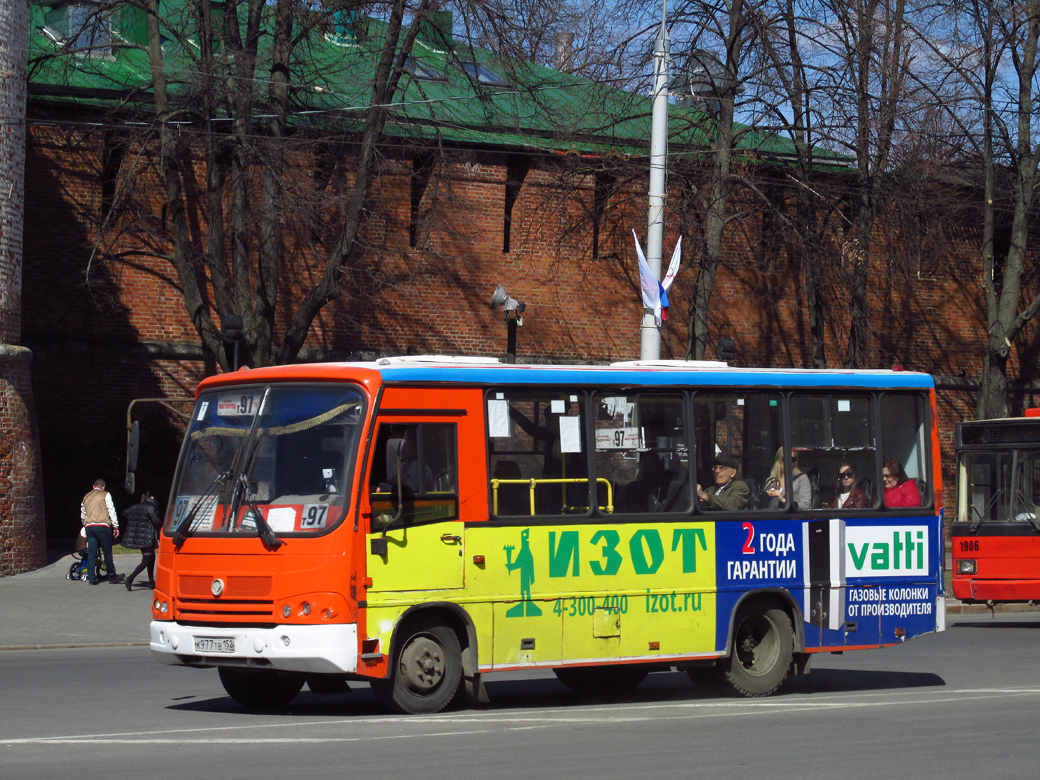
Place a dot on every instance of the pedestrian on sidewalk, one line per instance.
(98, 514)
(142, 533)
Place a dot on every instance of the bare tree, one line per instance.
(990, 49)
(230, 79)
(797, 83)
(870, 63)
(726, 28)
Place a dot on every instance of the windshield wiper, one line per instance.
(183, 529)
(1029, 513)
(263, 530)
(979, 516)
(243, 477)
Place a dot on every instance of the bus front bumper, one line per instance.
(290, 648)
(996, 590)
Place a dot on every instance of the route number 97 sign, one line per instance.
(238, 404)
(618, 439)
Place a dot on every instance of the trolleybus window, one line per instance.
(1000, 487)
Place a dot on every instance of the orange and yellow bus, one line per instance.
(418, 522)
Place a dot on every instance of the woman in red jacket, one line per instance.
(899, 489)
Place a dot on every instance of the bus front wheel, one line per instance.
(260, 689)
(763, 647)
(426, 670)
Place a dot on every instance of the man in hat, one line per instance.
(729, 493)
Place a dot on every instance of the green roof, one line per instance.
(533, 108)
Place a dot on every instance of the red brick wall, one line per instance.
(22, 535)
(87, 329)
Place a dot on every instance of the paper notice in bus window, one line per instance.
(498, 419)
(202, 410)
(282, 519)
(556, 406)
(843, 405)
(570, 434)
(205, 509)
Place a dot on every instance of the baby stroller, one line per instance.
(78, 568)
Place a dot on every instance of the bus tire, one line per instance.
(601, 680)
(260, 689)
(426, 669)
(763, 648)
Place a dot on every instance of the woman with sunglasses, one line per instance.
(847, 494)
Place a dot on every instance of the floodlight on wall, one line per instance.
(513, 310)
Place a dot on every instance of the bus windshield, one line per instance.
(1000, 487)
(280, 455)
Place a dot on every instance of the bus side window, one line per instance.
(642, 455)
(414, 468)
(541, 433)
(833, 437)
(746, 426)
(904, 439)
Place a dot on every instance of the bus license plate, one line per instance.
(212, 644)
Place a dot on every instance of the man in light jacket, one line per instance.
(101, 524)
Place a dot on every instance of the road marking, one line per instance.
(473, 723)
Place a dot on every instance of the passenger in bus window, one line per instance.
(900, 490)
(847, 494)
(207, 462)
(729, 493)
(801, 487)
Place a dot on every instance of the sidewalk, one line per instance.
(42, 609)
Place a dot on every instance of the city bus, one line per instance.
(416, 523)
(996, 533)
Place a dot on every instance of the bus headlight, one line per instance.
(966, 566)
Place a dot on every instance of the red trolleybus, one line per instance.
(417, 522)
(996, 534)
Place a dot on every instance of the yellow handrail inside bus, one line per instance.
(532, 483)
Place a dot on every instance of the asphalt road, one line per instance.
(962, 703)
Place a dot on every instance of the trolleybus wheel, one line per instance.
(426, 669)
(260, 689)
(763, 646)
(601, 679)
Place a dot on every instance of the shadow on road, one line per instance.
(547, 692)
(989, 625)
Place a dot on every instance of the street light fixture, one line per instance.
(514, 310)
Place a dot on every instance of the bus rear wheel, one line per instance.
(426, 669)
(260, 689)
(763, 647)
(601, 679)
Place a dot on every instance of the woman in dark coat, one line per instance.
(142, 532)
